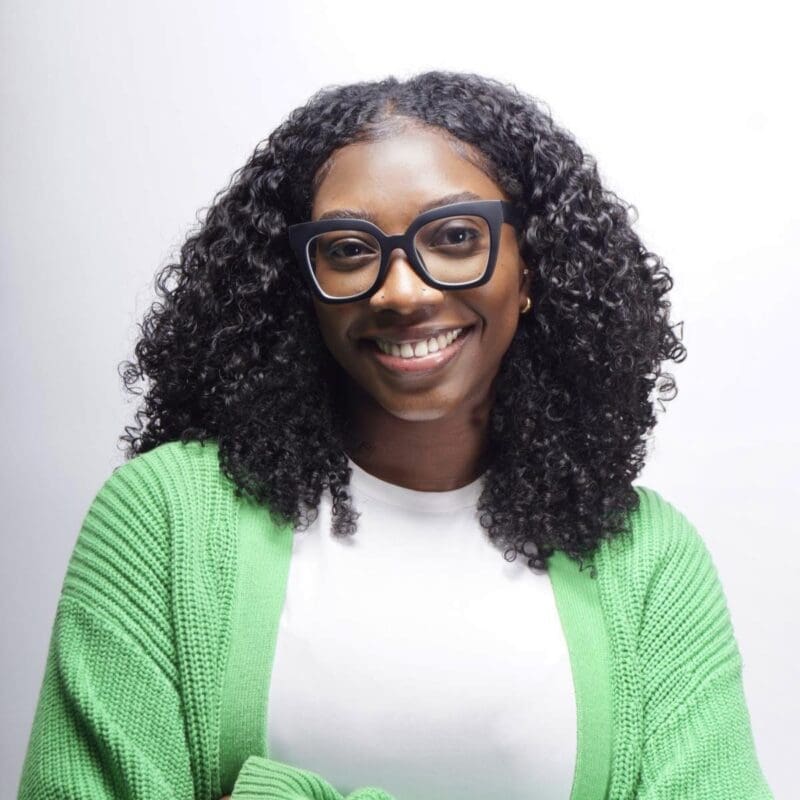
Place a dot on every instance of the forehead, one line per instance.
(395, 175)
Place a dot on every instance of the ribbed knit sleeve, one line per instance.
(697, 742)
(109, 722)
(266, 779)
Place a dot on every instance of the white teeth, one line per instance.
(421, 348)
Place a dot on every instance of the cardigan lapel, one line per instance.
(263, 555)
(578, 602)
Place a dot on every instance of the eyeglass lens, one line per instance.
(453, 250)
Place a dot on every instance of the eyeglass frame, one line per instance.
(494, 212)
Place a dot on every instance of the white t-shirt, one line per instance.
(413, 657)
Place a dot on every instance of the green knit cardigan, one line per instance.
(157, 676)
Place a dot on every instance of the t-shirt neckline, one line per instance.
(364, 482)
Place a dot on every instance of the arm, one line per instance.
(109, 721)
(108, 724)
(698, 741)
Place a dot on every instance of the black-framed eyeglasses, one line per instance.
(450, 247)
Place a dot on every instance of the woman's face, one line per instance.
(391, 180)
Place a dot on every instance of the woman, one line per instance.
(414, 339)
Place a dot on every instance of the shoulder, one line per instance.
(663, 593)
(172, 466)
(160, 530)
(656, 532)
(658, 571)
(142, 512)
(168, 481)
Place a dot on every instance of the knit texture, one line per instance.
(265, 778)
(131, 700)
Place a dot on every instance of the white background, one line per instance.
(120, 121)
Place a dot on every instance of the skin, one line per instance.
(425, 433)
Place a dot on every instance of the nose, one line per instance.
(402, 287)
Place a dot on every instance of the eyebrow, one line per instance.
(358, 213)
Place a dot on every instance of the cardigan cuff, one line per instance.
(265, 779)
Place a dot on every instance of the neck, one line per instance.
(429, 456)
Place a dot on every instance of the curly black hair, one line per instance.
(234, 352)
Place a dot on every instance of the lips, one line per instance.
(419, 365)
(414, 334)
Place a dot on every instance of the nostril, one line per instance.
(394, 289)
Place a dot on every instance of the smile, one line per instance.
(425, 355)
(419, 347)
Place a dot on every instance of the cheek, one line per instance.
(334, 323)
(505, 326)
(329, 329)
(500, 310)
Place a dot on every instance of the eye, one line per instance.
(348, 249)
(344, 251)
(455, 236)
(452, 235)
